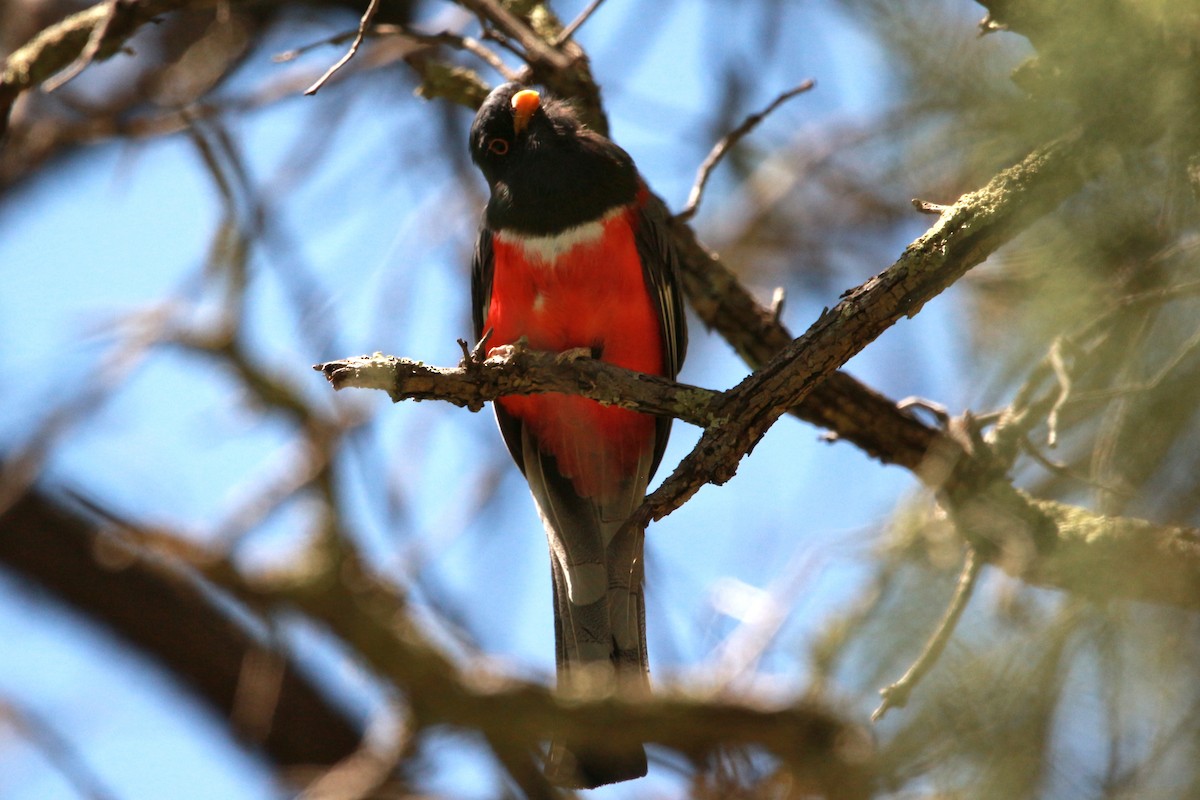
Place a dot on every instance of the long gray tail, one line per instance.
(599, 613)
(583, 656)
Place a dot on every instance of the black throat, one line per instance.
(555, 174)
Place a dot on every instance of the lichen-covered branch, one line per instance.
(964, 235)
(519, 370)
(1048, 544)
(60, 45)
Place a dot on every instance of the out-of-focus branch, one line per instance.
(553, 58)
(821, 749)
(1102, 557)
(896, 695)
(537, 51)
(56, 749)
(61, 46)
(148, 603)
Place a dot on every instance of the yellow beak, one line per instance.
(525, 104)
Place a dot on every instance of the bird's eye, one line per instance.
(498, 146)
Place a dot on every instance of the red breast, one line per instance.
(584, 287)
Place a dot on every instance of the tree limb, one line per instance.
(1045, 543)
(965, 234)
(60, 46)
(519, 370)
(370, 617)
(149, 603)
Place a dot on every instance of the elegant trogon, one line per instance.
(574, 253)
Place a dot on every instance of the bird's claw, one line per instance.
(573, 355)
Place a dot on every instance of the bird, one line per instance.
(574, 254)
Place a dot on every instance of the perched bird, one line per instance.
(574, 253)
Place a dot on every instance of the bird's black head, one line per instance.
(546, 171)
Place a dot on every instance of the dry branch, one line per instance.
(519, 370)
(965, 234)
(148, 603)
(93, 34)
(726, 143)
(1048, 544)
(822, 750)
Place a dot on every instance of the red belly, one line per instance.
(592, 296)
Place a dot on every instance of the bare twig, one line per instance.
(56, 749)
(896, 695)
(1063, 377)
(926, 207)
(569, 31)
(339, 38)
(939, 411)
(1064, 471)
(363, 24)
(536, 49)
(88, 54)
(1030, 403)
(467, 43)
(726, 143)
(778, 299)
(449, 38)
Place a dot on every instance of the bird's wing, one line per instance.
(482, 267)
(660, 265)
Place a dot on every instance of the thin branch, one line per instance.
(1147, 385)
(1064, 471)
(519, 370)
(569, 31)
(926, 207)
(977, 224)
(896, 695)
(88, 54)
(536, 49)
(726, 143)
(468, 44)
(1029, 407)
(449, 38)
(57, 750)
(363, 24)
(1063, 377)
(337, 38)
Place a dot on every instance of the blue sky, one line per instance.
(385, 232)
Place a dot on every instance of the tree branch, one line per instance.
(1048, 544)
(895, 695)
(519, 370)
(370, 618)
(965, 234)
(93, 34)
(726, 143)
(148, 603)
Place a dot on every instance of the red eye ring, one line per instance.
(498, 146)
